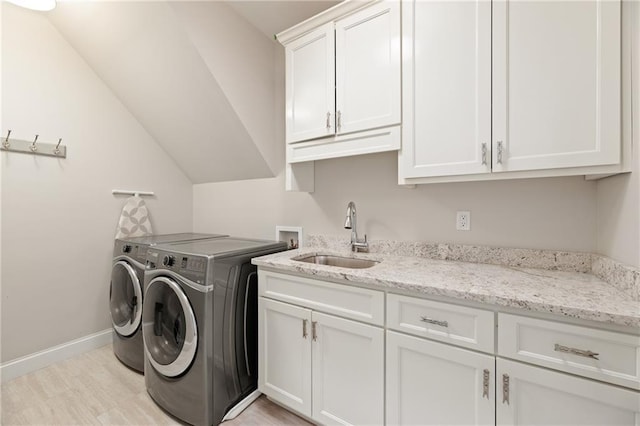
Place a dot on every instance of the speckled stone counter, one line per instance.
(567, 293)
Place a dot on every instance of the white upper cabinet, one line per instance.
(446, 88)
(508, 89)
(310, 85)
(556, 84)
(343, 76)
(368, 69)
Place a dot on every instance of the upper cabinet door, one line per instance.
(310, 85)
(556, 84)
(368, 68)
(446, 88)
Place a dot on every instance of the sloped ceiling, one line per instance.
(197, 76)
(271, 17)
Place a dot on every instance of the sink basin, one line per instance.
(339, 261)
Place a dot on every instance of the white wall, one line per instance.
(557, 213)
(241, 59)
(58, 215)
(618, 197)
(155, 57)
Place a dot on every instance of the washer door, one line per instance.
(169, 327)
(125, 299)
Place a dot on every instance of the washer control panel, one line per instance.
(191, 267)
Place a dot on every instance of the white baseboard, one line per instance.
(26, 364)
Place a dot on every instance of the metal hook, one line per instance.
(6, 143)
(33, 146)
(56, 150)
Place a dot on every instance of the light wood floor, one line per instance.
(96, 389)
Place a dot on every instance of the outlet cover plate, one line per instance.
(463, 221)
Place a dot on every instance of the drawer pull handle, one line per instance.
(304, 329)
(574, 351)
(485, 383)
(434, 321)
(314, 334)
(505, 389)
(328, 126)
(484, 154)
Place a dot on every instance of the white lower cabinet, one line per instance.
(284, 366)
(348, 366)
(323, 353)
(529, 395)
(430, 383)
(324, 367)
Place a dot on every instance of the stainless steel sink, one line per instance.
(339, 261)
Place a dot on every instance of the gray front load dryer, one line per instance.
(200, 325)
(126, 293)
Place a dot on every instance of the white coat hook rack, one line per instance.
(134, 193)
(34, 147)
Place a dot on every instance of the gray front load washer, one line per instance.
(126, 292)
(200, 325)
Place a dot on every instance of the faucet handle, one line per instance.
(360, 245)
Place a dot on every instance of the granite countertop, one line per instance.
(570, 294)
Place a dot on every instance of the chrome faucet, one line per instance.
(350, 223)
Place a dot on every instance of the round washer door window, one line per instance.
(169, 327)
(125, 299)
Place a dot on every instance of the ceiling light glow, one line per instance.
(41, 5)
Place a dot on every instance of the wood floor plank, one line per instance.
(96, 389)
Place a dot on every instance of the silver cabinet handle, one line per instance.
(314, 334)
(434, 321)
(574, 351)
(500, 148)
(484, 154)
(485, 383)
(505, 388)
(339, 119)
(328, 121)
(304, 329)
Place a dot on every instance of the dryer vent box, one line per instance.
(292, 235)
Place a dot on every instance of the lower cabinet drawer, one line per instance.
(598, 354)
(458, 325)
(343, 300)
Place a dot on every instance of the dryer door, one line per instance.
(169, 327)
(125, 299)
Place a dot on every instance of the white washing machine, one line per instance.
(126, 293)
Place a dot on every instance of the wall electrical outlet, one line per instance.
(463, 221)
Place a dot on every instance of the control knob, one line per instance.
(168, 260)
(126, 248)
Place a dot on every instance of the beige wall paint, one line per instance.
(58, 215)
(618, 197)
(557, 213)
(554, 213)
(145, 54)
